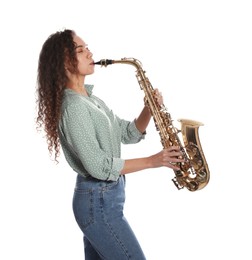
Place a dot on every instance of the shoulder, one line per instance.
(73, 102)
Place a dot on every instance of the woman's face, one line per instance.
(84, 57)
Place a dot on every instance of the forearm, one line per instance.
(134, 165)
(166, 157)
(143, 120)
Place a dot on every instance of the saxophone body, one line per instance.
(193, 173)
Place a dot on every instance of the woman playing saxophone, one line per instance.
(90, 135)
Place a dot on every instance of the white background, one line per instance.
(198, 53)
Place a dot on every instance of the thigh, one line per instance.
(118, 241)
(90, 252)
(98, 208)
(114, 237)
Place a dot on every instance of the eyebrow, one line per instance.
(79, 46)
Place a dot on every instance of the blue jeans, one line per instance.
(98, 209)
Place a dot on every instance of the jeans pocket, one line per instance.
(83, 207)
(109, 185)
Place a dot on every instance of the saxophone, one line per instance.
(193, 173)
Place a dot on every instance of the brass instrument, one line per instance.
(194, 173)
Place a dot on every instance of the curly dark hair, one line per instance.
(58, 49)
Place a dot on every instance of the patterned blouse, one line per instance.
(91, 135)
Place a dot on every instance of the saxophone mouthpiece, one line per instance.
(104, 62)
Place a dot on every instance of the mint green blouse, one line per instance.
(91, 135)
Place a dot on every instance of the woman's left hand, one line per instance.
(159, 97)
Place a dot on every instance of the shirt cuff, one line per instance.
(117, 166)
(135, 132)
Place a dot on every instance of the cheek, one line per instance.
(82, 67)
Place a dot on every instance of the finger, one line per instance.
(170, 159)
(174, 154)
(176, 159)
(157, 93)
(172, 166)
(173, 148)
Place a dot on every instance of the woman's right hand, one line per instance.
(167, 157)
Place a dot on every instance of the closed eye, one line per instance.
(81, 48)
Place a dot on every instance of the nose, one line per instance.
(90, 54)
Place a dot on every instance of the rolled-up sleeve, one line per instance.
(130, 133)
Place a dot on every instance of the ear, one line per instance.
(67, 64)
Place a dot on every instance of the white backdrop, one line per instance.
(198, 53)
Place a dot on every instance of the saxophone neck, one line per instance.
(131, 61)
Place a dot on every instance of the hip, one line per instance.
(96, 200)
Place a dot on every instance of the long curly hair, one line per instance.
(58, 49)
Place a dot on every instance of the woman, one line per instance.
(90, 135)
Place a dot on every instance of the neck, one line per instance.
(78, 86)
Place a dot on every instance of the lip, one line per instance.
(92, 63)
